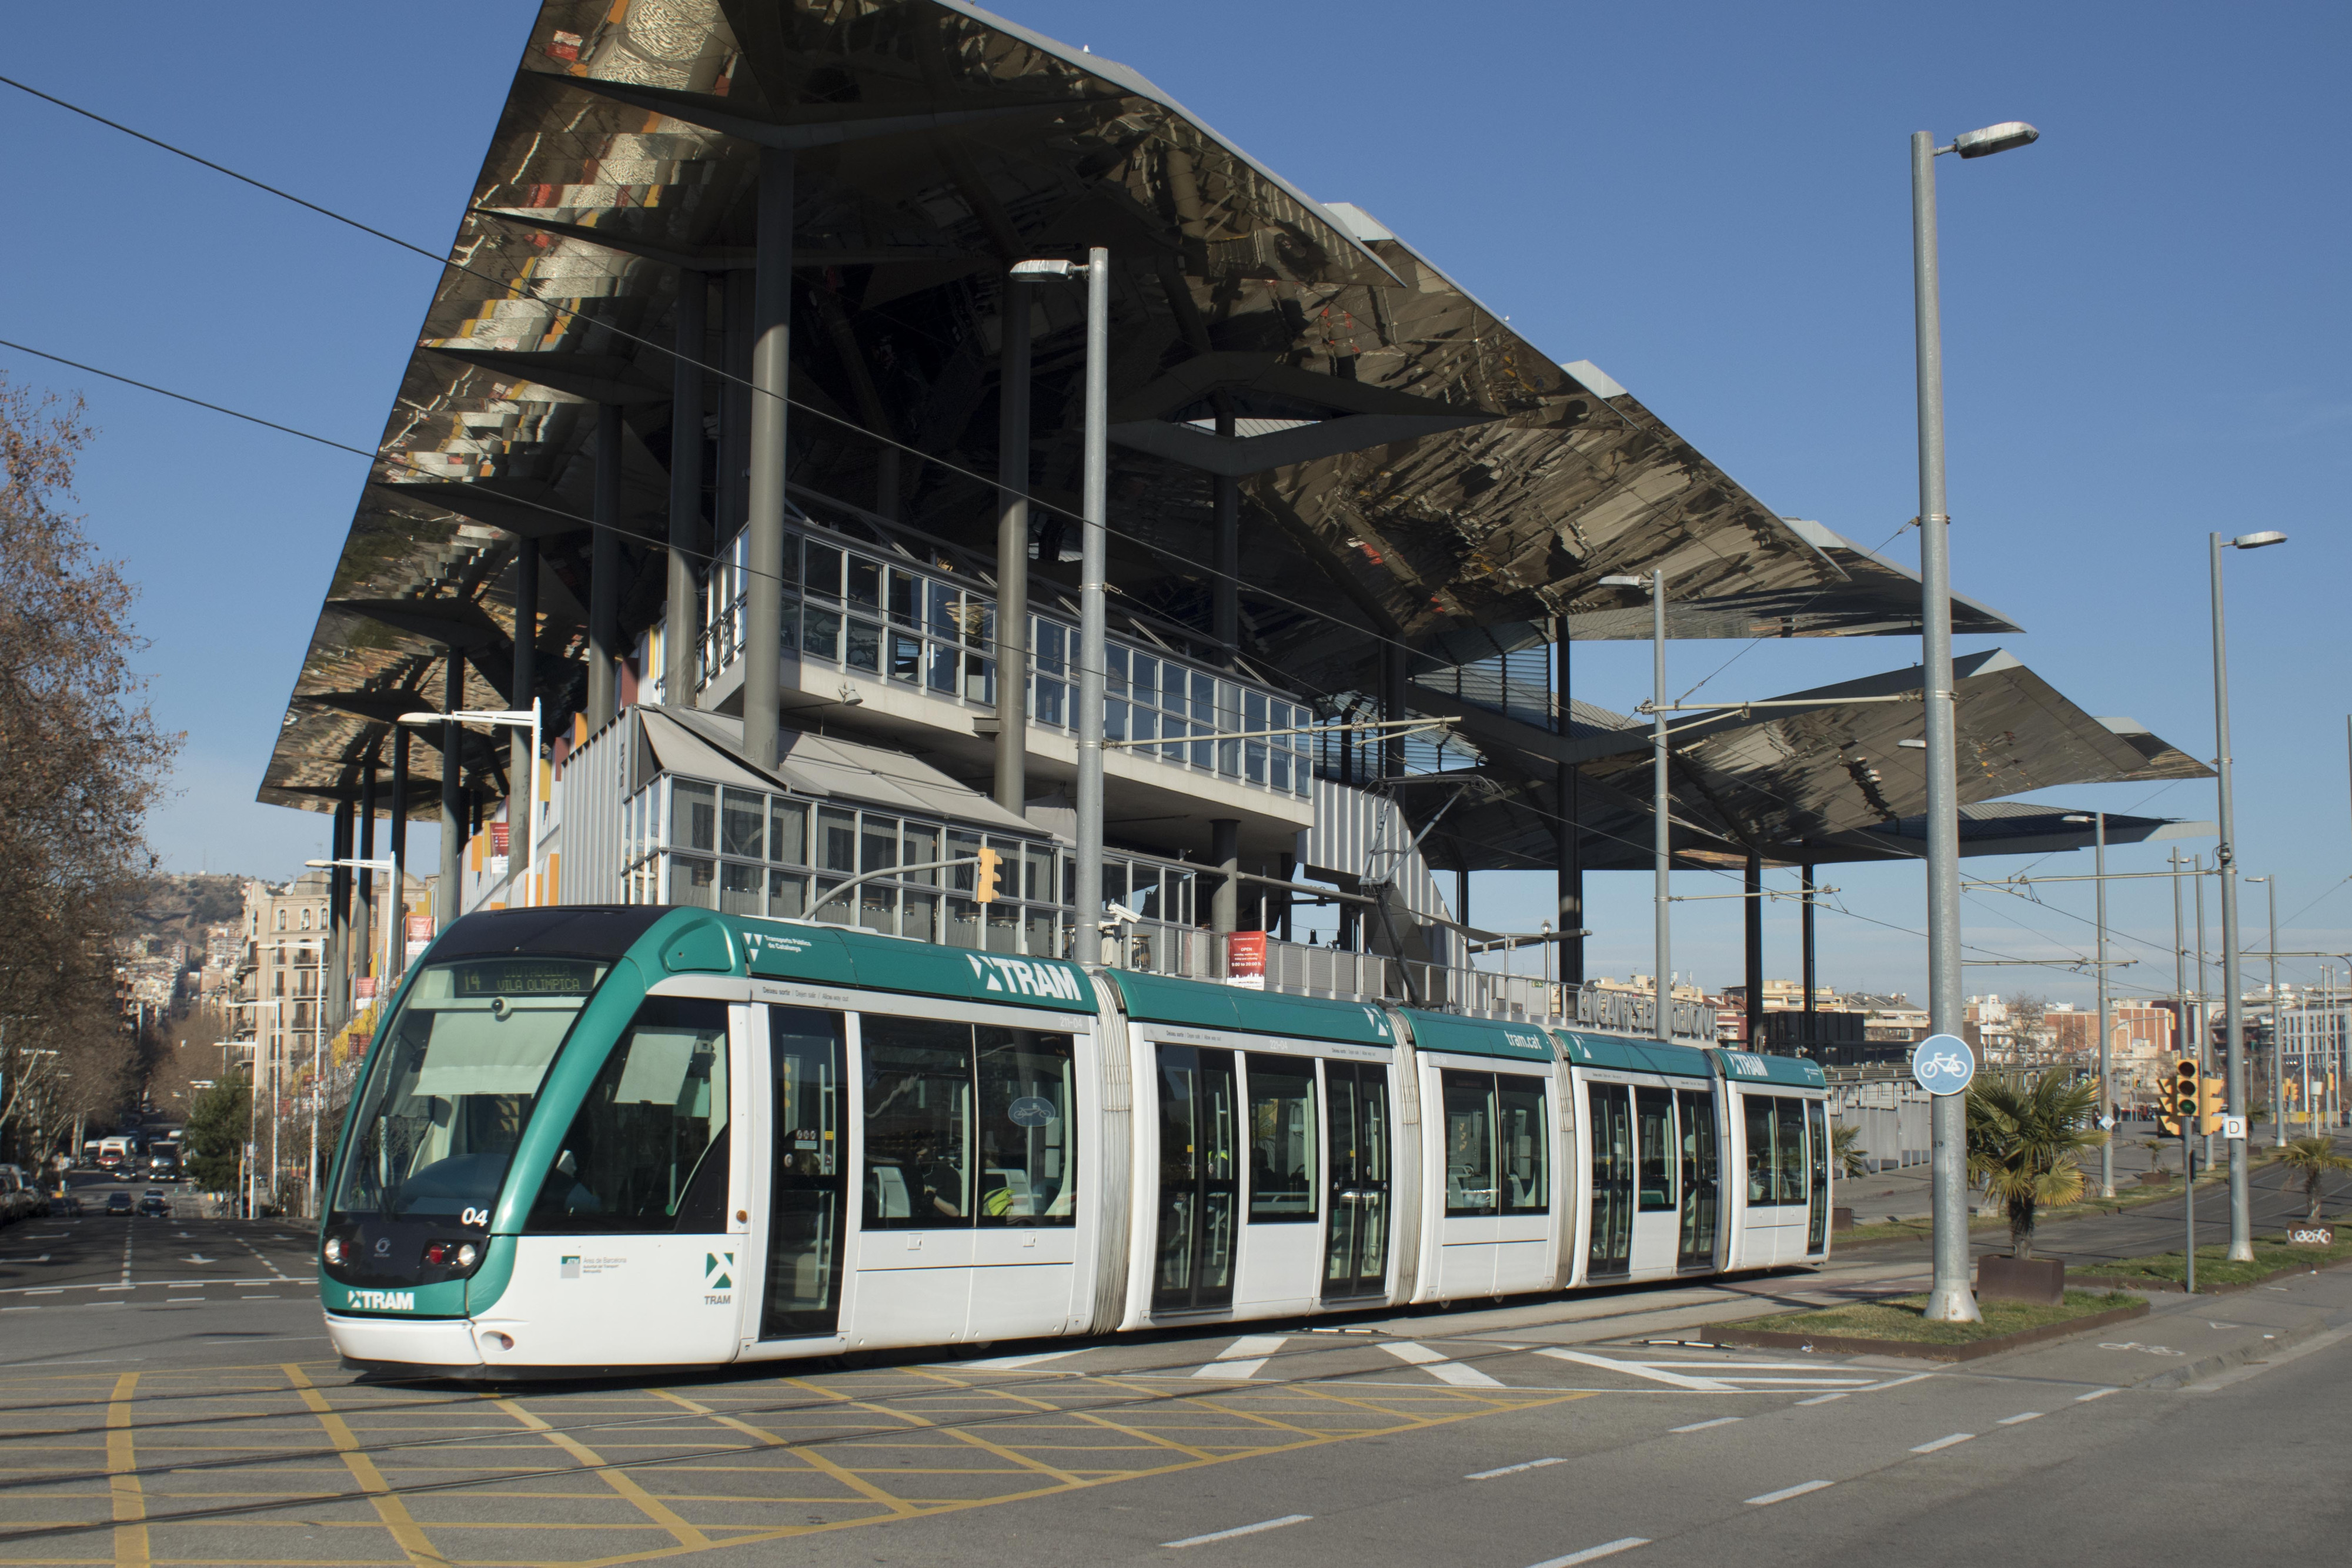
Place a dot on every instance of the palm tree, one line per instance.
(1845, 1148)
(2312, 1158)
(2026, 1139)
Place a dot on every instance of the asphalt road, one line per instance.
(167, 1397)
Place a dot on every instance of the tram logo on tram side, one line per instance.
(1025, 976)
(718, 1279)
(1747, 1064)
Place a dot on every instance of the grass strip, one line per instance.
(1899, 1318)
(2213, 1266)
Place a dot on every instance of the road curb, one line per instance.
(2222, 1361)
(1846, 1344)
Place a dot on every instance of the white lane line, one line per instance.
(1513, 1469)
(1703, 1425)
(1737, 1366)
(1594, 1553)
(1785, 1493)
(1821, 1399)
(1944, 1442)
(1240, 1530)
(1801, 1381)
(2095, 1393)
(1252, 1345)
(998, 1363)
(1897, 1382)
(1635, 1369)
(1439, 1367)
(2020, 1418)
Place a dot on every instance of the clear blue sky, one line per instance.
(2144, 315)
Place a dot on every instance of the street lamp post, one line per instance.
(2242, 1238)
(1093, 565)
(1662, 841)
(1949, 1299)
(2106, 1066)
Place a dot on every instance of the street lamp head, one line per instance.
(2256, 541)
(1037, 270)
(1621, 580)
(2074, 817)
(1994, 139)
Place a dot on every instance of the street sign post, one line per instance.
(1943, 1064)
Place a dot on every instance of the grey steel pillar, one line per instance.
(2278, 1026)
(2204, 1016)
(1805, 940)
(771, 326)
(363, 942)
(2242, 1228)
(1568, 835)
(1391, 709)
(453, 823)
(681, 633)
(1093, 557)
(396, 901)
(1012, 551)
(526, 660)
(1662, 833)
(604, 573)
(1949, 1298)
(1752, 929)
(731, 504)
(1225, 588)
(335, 1002)
(1225, 854)
(2107, 1027)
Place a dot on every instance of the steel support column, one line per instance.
(1805, 960)
(1094, 565)
(1568, 834)
(453, 836)
(335, 999)
(1012, 551)
(397, 840)
(604, 573)
(363, 916)
(526, 657)
(680, 628)
(1226, 855)
(771, 324)
(1752, 930)
(1225, 588)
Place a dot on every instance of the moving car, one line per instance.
(155, 1203)
(118, 1203)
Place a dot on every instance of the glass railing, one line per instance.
(891, 619)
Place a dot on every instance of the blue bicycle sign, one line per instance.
(1943, 1063)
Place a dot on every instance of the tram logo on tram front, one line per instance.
(718, 1276)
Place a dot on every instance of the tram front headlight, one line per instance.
(334, 1249)
(466, 1255)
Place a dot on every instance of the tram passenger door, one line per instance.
(805, 1191)
(1657, 1179)
(1610, 1250)
(1702, 1166)
(1356, 1150)
(1192, 1268)
(1817, 1167)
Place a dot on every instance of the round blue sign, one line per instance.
(1943, 1063)
(1032, 1110)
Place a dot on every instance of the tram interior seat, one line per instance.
(889, 1192)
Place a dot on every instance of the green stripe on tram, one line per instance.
(1158, 998)
(1479, 1037)
(1620, 1053)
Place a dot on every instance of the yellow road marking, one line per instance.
(619, 1480)
(406, 1533)
(847, 1477)
(122, 1479)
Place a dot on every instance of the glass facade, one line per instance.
(746, 852)
(892, 620)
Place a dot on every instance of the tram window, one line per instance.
(1654, 1118)
(1788, 1149)
(1469, 1143)
(694, 815)
(1756, 1113)
(1522, 1146)
(1282, 1138)
(647, 1150)
(1027, 1170)
(918, 1123)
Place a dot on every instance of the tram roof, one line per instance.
(1161, 998)
(1410, 462)
(1468, 1035)
(1609, 1050)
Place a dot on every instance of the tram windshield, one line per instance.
(453, 1084)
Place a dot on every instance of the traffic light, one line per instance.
(984, 882)
(2213, 1103)
(2177, 1096)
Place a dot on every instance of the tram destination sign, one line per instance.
(1943, 1064)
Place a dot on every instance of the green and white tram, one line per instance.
(604, 1138)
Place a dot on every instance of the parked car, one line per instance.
(118, 1203)
(65, 1202)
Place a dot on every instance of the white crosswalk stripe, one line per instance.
(1439, 1366)
(1244, 1358)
